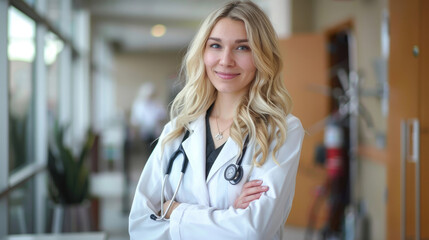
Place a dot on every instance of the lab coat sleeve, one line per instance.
(263, 218)
(147, 200)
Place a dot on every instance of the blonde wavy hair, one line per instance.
(262, 111)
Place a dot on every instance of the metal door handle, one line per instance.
(410, 155)
(404, 153)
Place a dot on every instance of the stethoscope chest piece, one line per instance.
(234, 173)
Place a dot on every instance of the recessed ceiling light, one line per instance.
(158, 30)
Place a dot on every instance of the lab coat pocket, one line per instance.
(235, 190)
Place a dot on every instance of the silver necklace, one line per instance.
(219, 134)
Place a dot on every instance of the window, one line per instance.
(21, 209)
(35, 76)
(21, 55)
(53, 48)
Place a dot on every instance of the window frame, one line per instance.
(34, 169)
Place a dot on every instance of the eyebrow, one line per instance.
(236, 41)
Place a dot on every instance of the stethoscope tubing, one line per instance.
(240, 159)
(179, 151)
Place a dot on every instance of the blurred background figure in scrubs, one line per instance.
(147, 114)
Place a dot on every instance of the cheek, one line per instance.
(209, 60)
(248, 64)
(250, 69)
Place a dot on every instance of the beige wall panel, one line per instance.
(133, 69)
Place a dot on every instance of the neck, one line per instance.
(225, 107)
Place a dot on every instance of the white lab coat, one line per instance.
(206, 210)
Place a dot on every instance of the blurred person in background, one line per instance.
(232, 123)
(147, 114)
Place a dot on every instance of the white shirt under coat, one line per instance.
(206, 205)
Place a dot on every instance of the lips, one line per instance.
(224, 75)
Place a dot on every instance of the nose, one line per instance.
(227, 58)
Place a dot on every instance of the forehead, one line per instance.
(227, 28)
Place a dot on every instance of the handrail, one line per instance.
(21, 176)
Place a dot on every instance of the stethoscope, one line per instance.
(233, 174)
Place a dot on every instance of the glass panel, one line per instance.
(21, 52)
(52, 49)
(21, 209)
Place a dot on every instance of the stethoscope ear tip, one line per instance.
(153, 217)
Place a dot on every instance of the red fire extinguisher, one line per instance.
(334, 141)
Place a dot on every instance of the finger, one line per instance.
(244, 205)
(250, 198)
(241, 204)
(254, 190)
(244, 202)
(164, 204)
(238, 203)
(252, 183)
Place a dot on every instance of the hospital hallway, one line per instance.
(86, 84)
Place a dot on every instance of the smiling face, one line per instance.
(228, 58)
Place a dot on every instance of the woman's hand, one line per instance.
(251, 191)
(173, 206)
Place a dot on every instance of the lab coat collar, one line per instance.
(195, 148)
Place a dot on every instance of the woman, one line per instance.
(234, 109)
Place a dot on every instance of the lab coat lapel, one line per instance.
(229, 151)
(195, 148)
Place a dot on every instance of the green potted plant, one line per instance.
(69, 179)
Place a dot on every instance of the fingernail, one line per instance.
(259, 182)
(264, 187)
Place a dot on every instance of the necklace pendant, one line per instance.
(219, 136)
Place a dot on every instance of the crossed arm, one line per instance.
(251, 191)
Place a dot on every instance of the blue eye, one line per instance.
(243, 48)
(214, 45)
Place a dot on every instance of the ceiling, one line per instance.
(127, 23)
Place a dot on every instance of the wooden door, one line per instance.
(424, 117)
(304, 69)
(408, 79)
